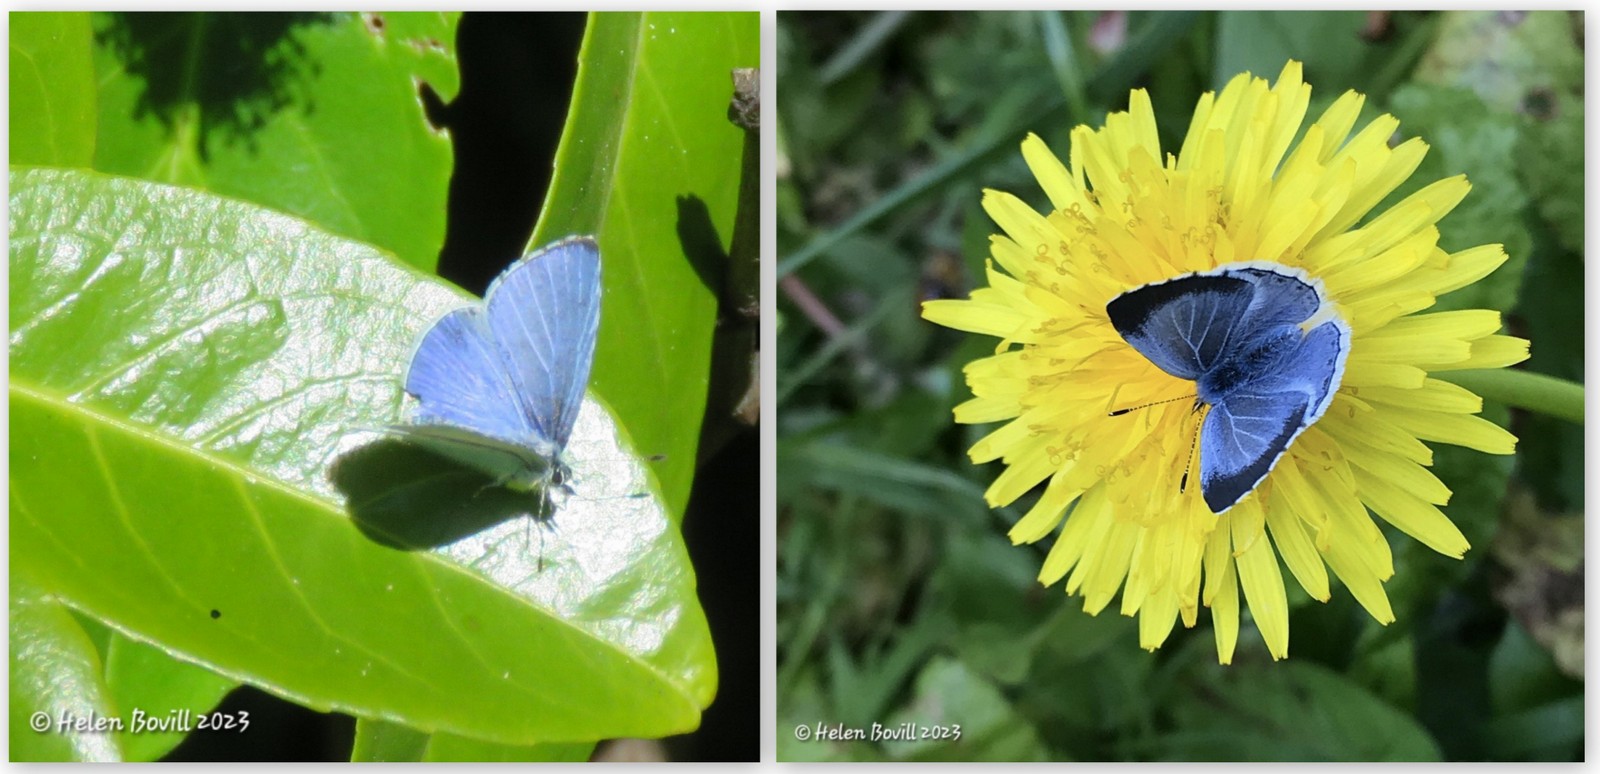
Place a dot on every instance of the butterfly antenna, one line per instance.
(1121, 411)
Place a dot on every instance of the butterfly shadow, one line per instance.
(407, 497)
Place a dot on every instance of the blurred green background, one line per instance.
(899, 597)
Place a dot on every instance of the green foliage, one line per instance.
(55, 673)
(1296, 711)
(1551, 453)
(1465, 139)
(1552, 141)
(147, 677)
(229, 102)
(1328, 43)
(70, 666)
(1506, 57)
(957, 715)
(52, 90)
(899, 598)
(203, 343)
(193, 479)
(650, 159)
(1539, 710)
(378, 741)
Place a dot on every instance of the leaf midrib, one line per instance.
(45, 395)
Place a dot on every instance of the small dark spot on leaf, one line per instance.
(472, 624)
(216, 614)
(374, 22)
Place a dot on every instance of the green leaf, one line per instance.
(1329, 43)
(911, 487)
(382, 742)
(862, 687)
(804, 706)
(449, 747)
(136, 688)
(1293, 711)
(184, 370)
(391, 742)
(965, 718)
(1388, 669)
(314, 114)
(155, 695)
(1552, 732)
(152, 689)
(52, 90)
(55, 675)
(990, 586)
(1537, 711)
(650, 163)
(1523, 675)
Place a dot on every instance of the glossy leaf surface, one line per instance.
(55, 671)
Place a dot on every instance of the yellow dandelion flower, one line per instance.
(1238, 193)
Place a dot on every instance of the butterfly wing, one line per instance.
(1280, 298)
(468, 408)
(543, 314)
(505, 461)
(1184, 325)
(1245, 434)
(458, 378)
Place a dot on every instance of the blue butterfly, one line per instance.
(499, 383)
(1266, 352)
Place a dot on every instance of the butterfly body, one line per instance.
(1264, 350)
(498, 384)
(1237, 371)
